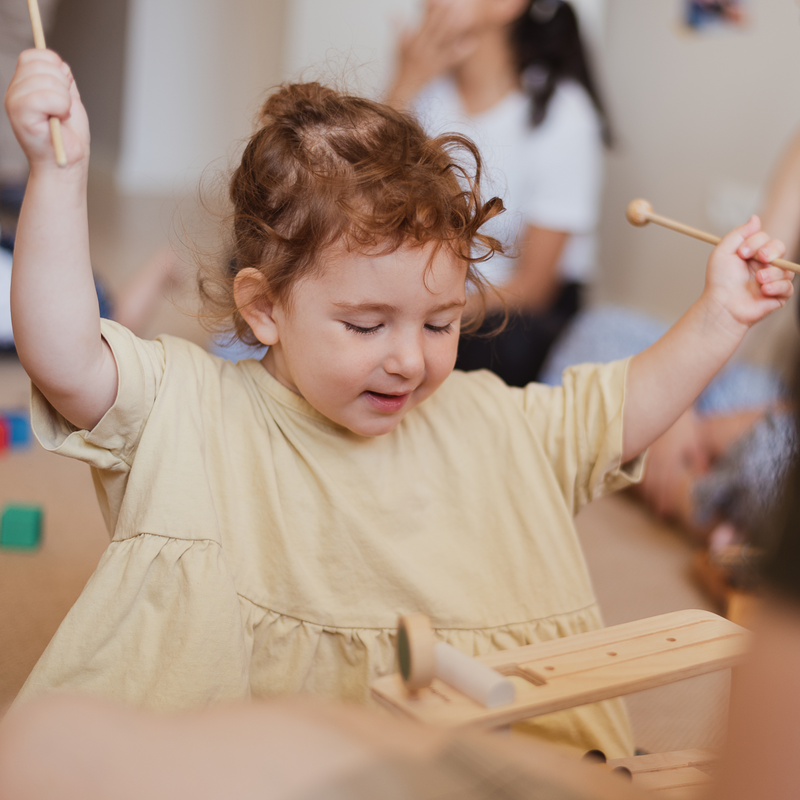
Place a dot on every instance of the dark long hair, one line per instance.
(547, 44)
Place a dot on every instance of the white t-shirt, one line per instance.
(549, 176)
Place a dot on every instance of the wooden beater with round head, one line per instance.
(640, 212)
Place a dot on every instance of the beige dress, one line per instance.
(258, 548)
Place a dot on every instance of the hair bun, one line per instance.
(297, 99)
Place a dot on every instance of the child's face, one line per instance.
(368, 338)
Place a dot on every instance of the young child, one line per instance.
(271, 519)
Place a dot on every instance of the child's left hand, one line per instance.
(741, 285)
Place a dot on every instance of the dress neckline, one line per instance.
(282, 394)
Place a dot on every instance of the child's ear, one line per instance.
(254, 304)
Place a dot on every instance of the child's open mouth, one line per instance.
(387, 402)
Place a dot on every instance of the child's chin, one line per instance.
(374, 427)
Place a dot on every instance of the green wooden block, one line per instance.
(21, 527)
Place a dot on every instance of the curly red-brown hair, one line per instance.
(327, 168)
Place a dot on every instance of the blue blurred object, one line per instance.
(608, 333)
(19, 426)
(103, 300)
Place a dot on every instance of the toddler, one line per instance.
(270, 519)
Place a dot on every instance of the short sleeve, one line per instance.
(564, 174)
(110, 446)
(159, 625)
(580, 427)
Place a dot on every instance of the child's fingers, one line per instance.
(771, 274)
(752, 244)
(761, 247)
(781, 287)
(38, 66)
(73, 87)
(780, 290)
(33, 55)
(734, 239)
(36, 62)
(773, 249)
(43, 93)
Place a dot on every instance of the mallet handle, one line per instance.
(666, 222)
(55, 123)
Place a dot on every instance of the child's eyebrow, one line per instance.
(387, 308)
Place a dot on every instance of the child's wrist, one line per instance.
(718, 319)
(46, 170)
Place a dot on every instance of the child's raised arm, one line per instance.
(741, 288)
(54, 305)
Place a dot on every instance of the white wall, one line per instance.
(345, 40)
(195, 70)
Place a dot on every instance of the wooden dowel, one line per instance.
(55, 123)
(422, 659)
(640, 212)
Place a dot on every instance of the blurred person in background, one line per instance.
(513, 76)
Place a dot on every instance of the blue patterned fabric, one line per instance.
(608, 333)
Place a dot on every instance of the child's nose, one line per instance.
(406, 357)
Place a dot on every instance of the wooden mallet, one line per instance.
(55, 123)
(640, 212)
(422, 659)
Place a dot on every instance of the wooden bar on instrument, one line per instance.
(586, 668)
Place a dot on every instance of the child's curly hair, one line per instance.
(326, 167)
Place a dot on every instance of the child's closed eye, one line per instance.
(440, 328)
(363, 331)
(366, 331)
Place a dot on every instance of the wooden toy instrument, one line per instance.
(435, 687)
(552, 676)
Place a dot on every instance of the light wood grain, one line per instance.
(586, 668)
(685, 774)
(703, 759)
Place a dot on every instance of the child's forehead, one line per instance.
(372, 277)
(427, 255)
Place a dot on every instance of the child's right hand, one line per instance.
(42, 87)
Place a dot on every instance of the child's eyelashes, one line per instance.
(440, 328)
(366, 331)
(363, 331)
